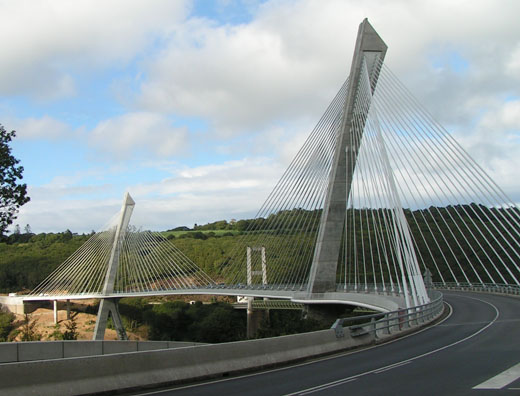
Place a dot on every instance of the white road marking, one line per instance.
(323, 387)
(501, 380)
(392, 367)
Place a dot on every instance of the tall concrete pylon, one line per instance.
(322, 277)
(110, 304)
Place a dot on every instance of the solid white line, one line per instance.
(338, 382)
(392, 367)
(501, 380)
(326, 387)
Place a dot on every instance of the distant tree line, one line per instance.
(27, 258)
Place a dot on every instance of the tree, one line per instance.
(28, 331)
(6, 325)
(13, 194)
(71, 332)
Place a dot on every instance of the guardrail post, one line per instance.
(402, 321)
(338, 328)
(373, 325)
(388, 318)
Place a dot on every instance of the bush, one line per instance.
(6, 325)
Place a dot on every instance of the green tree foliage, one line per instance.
(6, 325)
(285, 322)
(213, 323)
(13, 194)
(71, 328)
(28, 333)
(180, 321)
(26, 259)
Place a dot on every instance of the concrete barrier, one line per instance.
(12, 352)
(81, 348)
(8, 352)
(33, 350)
(90, 374)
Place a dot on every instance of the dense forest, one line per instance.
(215, 322)
(27, 258)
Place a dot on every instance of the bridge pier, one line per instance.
(254, 318)
(106, 306)
(55, 310)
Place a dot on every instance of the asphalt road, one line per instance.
(478, 341)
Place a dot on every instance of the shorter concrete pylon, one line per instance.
(105, 306)
(110, 304)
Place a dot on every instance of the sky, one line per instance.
(196, 107)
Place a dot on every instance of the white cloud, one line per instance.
(78, 215)
(235, 189)
(135, 133)
(290, 59)
(230, 177)
(513, 64)
(495, 144)
(244, 77)
(45, 127)
(43, 40)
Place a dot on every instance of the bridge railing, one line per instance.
(372, 288)
(385, 324)
(498, 288)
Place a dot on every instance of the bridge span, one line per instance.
(377, 300)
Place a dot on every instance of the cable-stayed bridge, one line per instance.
(379, 195)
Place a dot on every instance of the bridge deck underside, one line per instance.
(380, 301)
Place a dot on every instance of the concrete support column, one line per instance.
(254, 320)
(55, 306)
(68, 309)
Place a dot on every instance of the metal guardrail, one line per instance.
(391, 322)
(371, 288)
(271, 304)
(480, 287)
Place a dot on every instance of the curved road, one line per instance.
(478, 341)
